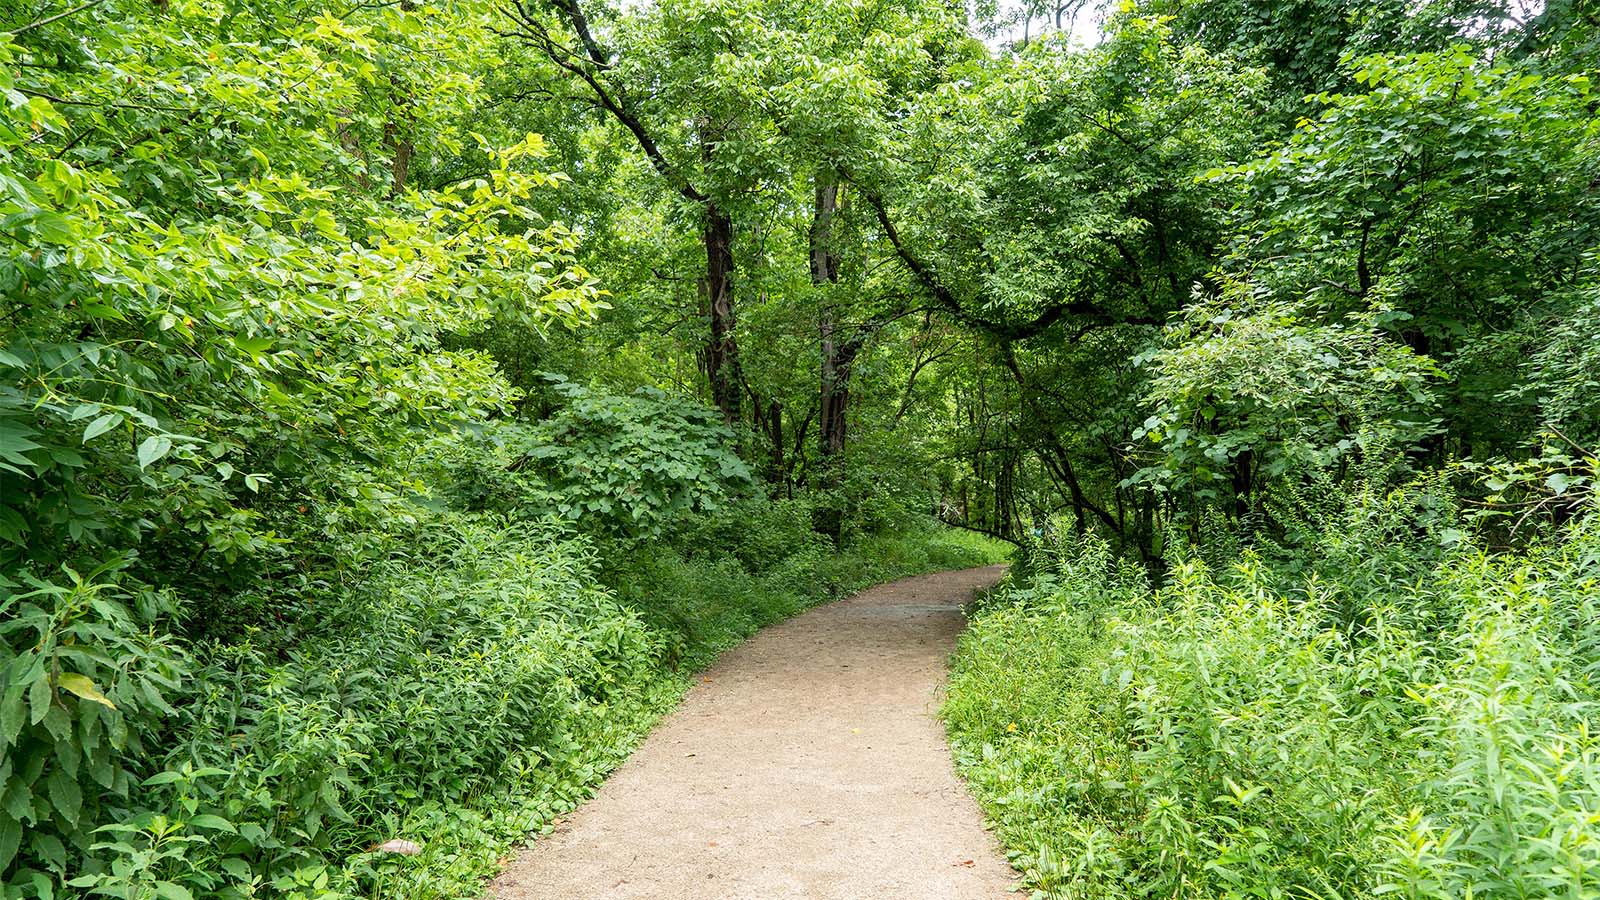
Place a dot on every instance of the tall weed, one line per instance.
(1304, 730)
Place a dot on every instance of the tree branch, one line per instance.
(587, 66)
(1006, 331)
(57, 17)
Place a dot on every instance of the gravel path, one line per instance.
(806, 763)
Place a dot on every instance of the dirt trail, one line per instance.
(806, 764)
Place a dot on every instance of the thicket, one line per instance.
(1390, 713)
(301, 551)
(454, 678)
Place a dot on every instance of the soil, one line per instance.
(807, 763)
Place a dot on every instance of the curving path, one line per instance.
(807, 763)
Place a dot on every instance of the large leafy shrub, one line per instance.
(620, 466)
(87, 680)
(631, 464)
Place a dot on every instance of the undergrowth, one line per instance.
(476, 677)
(1262, 728)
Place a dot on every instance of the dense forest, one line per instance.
(400, 400)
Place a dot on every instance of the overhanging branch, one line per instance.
(1086, 312)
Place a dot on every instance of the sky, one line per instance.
(1085, 26)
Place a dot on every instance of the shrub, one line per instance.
(1241, 733)
(469, 652)
(627, 466)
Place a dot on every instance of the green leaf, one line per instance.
(50, 847)
(1558, 482)
(14, 441)
(236, 867)
(172, 891)
(255, 346)
(101, 425)
(65, 795)
(43, 886)
(53, 228)
(104, 311)
(13, 714)
(39, 696)
(10, 840)
(215, 823)
(12, 525)
(153, 448)
(18, 798)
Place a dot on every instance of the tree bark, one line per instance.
(837, 354)
(722, 350)
(400, 151)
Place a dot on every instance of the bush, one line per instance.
(469, 652)
(1238, 733)
(625, 466)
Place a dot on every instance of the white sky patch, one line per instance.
(1081, 19)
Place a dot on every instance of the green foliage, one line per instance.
(1304, 43)
(629, 465)
(196, 322)
(618, 466)
(1076, 190)
(302, 549)
(87, 683)
(465, 653)
(1253, 732)
(1563, 372)
(1448, 201)
(1248, 394)
(466, 683)
(719, 577)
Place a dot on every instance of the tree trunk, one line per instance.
(722, 350)
(837, 354)
(396, 137)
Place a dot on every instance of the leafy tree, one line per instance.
(1451, 201)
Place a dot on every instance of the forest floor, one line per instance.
(808, 762)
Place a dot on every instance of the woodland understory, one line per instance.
(401, 399)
